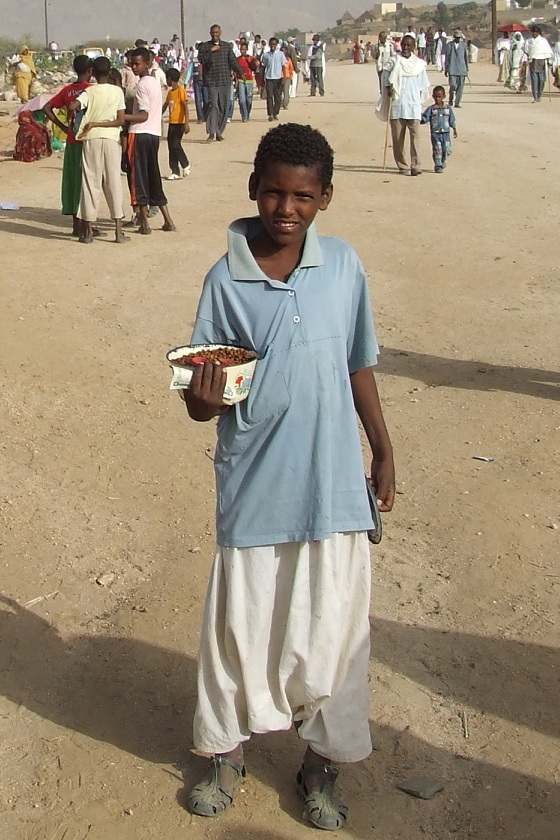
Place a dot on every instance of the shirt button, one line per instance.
(297, 319)
(291, 293)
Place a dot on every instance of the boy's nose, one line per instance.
(286, 205)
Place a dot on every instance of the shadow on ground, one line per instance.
(140, 697)
(438, 371)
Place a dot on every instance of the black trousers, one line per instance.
(144, 179)
(177, 156)
(273, 96)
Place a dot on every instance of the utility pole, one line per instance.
(183, 22)
(47, 40)
(494, 31)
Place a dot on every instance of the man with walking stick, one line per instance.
(405, 87)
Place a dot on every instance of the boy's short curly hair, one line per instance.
(296, 145)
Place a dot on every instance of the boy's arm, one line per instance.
(453, 122)
(116, 123)
(141, 117)
(368, 407)
(426, 115)
(49, 111)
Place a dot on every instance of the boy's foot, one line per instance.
(415, 171)
(187, 171)
(86, 238)
(219, 137)
(153, 211)
(270, 119)
(323, 808)
(214, 794)
(120, 238)
(172, 177)
(438, 170)
(145, 231)
(210, 138)
(169, 227)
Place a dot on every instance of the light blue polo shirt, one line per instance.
(288, 460)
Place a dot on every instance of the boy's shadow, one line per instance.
(140, 697)
(126, 692)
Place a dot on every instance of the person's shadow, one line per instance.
(140, 698)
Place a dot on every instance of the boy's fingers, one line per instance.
(386, 498)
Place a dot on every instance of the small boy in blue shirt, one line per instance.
(285, 635)
(442, 120)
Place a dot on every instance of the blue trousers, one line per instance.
(441, 149)
(245, 97)
(537, 82)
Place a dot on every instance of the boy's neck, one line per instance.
(174, 85)
(103, 80)
(276, 261)
(83, 78)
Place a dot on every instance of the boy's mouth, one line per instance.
(284, 225)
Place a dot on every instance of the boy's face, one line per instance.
(439, 98)
(273, 43)
(138, 66)
(288, 198)
(243, 49)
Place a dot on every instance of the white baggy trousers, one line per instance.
(285, 639)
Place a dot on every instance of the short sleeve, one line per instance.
(83, 99)
(143, 99)
(58, 101)
(362, 347)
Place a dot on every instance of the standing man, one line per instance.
(406, 86)
(539, 54)
(316, 61)
(456, 66)
(218, 63)
(273, 64)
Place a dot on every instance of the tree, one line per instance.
(442, 16)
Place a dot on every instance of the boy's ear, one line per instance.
(253, 186)
(326, 197)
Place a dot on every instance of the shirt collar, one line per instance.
(242, 264)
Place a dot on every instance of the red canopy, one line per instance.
(513, 27)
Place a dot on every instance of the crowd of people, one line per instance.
(517, 56)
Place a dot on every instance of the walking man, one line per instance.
(405, 87)
(218, 63)
(273, 63)
(539, 54)
(456, 66)
(316, 61)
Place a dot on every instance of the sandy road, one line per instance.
(101, 473)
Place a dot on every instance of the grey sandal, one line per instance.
(322, 807)
(208, 798)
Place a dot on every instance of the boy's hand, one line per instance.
(383, 481)
(204, 399)
(86, 128)
(455, 135)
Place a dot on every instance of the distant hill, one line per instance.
(72, 23)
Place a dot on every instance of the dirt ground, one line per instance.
(102, 474)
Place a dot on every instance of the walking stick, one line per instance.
(387, 133)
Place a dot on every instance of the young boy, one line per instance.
(101, 157)
(285, 637)
(442, 120)
(144, 177)
(71, 167)
(249, 65)
(176, 101)
(287, 76)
